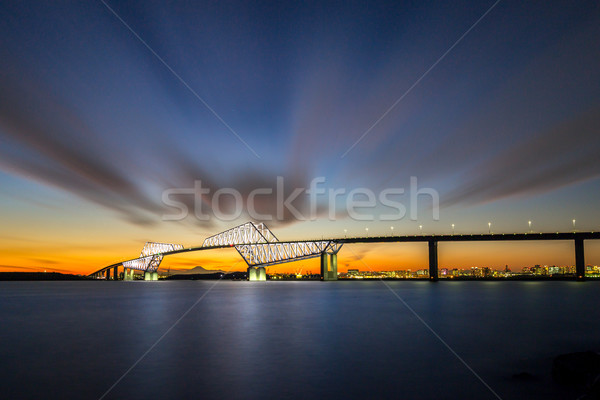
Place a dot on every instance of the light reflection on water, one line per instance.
(290, 339)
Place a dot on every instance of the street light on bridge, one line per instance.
(392, 228)
(529, 222)
(345, 232)
(489, 227)
(452, 229)
(573, 225)
(367, 229)
(420, 229)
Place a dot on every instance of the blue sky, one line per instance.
(505, 127)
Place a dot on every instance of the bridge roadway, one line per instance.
(432, 240)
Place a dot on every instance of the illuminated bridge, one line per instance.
(259, 248)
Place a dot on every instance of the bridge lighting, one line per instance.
(489, 227)
(529, 222)
(573, 224)
(345, 232)
(453, 229)
(392, 228)
(420, 228)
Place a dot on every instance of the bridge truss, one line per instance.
(243, 234)
(261, 254)
(255, 242)
(258, 246)
(151, 256)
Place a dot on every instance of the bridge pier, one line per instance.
(257, 274)
(433, 261)
(328, 267)
(579, 259)
(150, 276)
(108, 274)
(116, 273)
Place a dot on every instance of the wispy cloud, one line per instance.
(47, 140)
(549, 160)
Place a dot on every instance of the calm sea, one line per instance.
(276, 340)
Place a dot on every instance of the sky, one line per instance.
(111, 113)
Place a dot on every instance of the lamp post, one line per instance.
(452, 229)
(392, 228)
(573, 225)
(420, 229)
(367, 229)
(489, 227)
(345, 232)
(529, 222)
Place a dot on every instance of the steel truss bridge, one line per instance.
(259, 247)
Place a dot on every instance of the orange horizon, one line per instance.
(376, 257)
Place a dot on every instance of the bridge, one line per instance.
(259, 248)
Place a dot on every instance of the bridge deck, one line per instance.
(487, 237)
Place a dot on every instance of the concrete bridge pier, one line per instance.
(107, 274)
(257, 274)
(433, 261)
(116, 273)
(150, 276)
(579, 259)
(328, 267)
(127, 274)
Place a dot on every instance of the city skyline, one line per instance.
(496, 114)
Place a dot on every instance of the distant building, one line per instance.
(554, 270)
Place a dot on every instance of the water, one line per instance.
(273, 340)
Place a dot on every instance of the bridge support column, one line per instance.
(433, 261)
(155, 276)
(257, 274)
(328, 267)
(147, 276)
(579, 259)
(116, 273)
(108, 274)
(333, 265)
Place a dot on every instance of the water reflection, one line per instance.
(289, 339)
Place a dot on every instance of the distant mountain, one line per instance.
(195, 271)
